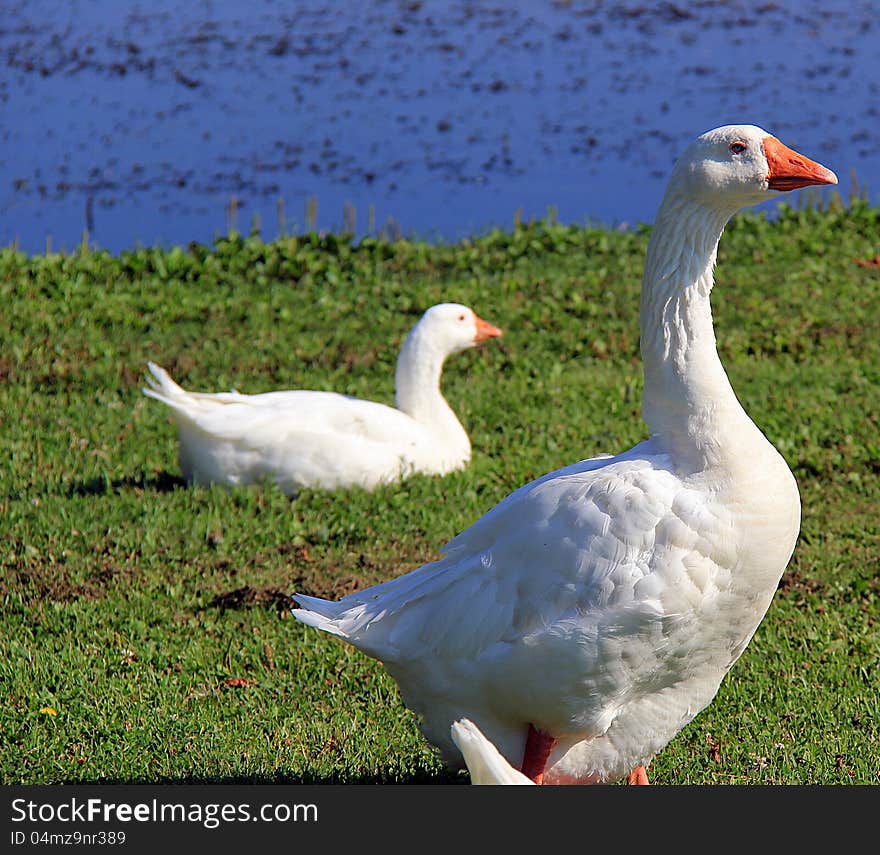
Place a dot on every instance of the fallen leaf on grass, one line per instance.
(239, 682)
(868, 262)
(714, 748)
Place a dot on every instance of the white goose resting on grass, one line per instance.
(303, 438)
(587, 618)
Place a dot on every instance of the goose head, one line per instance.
(442, 330)
(735, 166)
(452, 327)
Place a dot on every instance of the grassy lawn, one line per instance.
(144, 633)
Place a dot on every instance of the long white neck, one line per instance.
(417, 391)
(688, 402)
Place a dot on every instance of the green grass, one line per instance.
(130, 601)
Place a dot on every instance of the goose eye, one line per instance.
(461, 317)
(738, 147)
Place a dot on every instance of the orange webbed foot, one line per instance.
(638, 777)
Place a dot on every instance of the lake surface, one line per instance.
(142, 121)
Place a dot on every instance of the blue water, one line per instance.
(141, 121)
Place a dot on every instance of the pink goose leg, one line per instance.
(537, 752)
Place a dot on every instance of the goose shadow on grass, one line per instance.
(159, 482)
(442, 777)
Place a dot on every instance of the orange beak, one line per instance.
(485, 330)
(790, 170)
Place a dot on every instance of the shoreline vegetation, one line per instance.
(144, 635)
(392, 230)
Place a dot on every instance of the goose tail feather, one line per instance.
(483, 759)
(160, 386)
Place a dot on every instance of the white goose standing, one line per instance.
(583, 621)
(302, 438)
